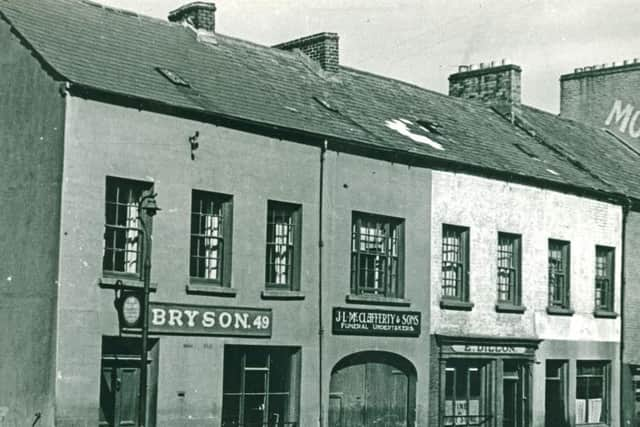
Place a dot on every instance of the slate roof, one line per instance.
(118, 52)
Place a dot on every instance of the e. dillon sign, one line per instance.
(180, 319)
(355, 321)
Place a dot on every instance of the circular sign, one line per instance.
(131, 310)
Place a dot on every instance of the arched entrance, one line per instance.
(372, 389)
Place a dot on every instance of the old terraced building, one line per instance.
(334, 248)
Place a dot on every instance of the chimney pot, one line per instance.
(201, 15)
(577, 70)
(322, 48)
(462, 68)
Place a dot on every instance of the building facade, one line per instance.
(333, 248)
(606, 96)
(518, 324)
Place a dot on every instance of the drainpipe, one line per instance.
(323, 151)
(625, 214)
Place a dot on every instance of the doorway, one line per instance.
(515, 388)
(120, 382)
(372, 389)
(119, 390)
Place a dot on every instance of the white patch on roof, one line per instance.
(552, 171)
(402, 127)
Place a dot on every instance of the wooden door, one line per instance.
(368, 394)
(119, 386)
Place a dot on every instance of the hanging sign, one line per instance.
(356, 321)
(181, 319)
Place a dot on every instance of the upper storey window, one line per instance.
(283, 246)
(123, 237)
(210, 259)
(559, 280)
(455, 262)
(377, 244)
(509, 272)
(604, 278)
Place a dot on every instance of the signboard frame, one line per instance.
(387, 323)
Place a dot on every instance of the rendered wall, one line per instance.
(31, 139)
(109, 140)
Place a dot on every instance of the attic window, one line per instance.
(432, 127)
(173, 77)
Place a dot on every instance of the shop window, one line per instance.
(260, 387)
(377, 255)
(559, 275)
(211, 215)
(604, 278)
(467, 394)
(556, 393)
(592, 392)
(123, 239)
(455, 262)
(283, 246)
(509, 271)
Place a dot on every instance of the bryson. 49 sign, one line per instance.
(180, 319)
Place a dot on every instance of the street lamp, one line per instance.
(147, 208)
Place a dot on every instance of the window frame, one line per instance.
(606, 390)
(515, 284)
(562, 305)
(293, 278)
(608, 305)
(135, 188)
(390, 290)
(462, 291)
(225, 202)
(240, 355)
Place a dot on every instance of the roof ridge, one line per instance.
(413, 85)
(119, 10)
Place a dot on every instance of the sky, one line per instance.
(424, 41)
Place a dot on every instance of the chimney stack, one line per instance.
(605, 97)
(322, 48)
(201, 15)
(495, 84)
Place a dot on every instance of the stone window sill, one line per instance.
(510, 308)
(455, 304)
(124, 281)
(560, 311)
(204, 288)
(605, 314)
(377, 300)
(279, 294)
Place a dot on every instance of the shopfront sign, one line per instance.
(356, 321)
(488, 348)
(180, 319)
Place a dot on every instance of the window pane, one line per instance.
(254, 381)
(278, 409)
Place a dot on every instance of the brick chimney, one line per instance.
(495, 84)
(201, 15)
(322, 48)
